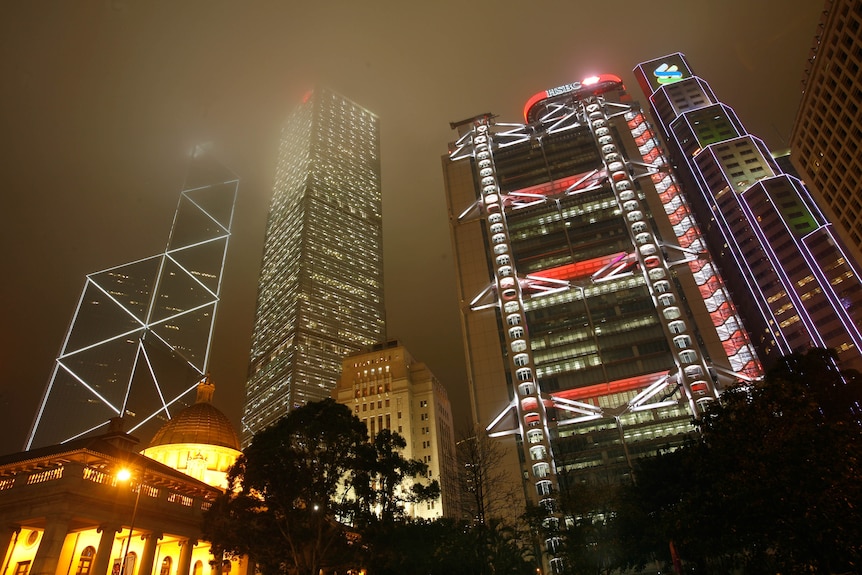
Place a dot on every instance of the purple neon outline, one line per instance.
(724, 228)
(692, 224)
(802, 194)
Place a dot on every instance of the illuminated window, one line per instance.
(85, 562)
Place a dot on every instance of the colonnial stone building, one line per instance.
(95, 505)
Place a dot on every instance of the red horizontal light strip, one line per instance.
(618, 386)
(581, 269)
(556, 187)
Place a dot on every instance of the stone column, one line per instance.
(185, 562)
(48, 554)
(6, 533)
(150, 542)
(102, 562)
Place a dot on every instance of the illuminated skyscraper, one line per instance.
(794, 282)
(320, 294)
(827, 134)
(595, 323)
(139, 342)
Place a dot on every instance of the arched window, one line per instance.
(166, 566)
(198, 569)
(131, 559)
(86, 561)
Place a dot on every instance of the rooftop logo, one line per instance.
(667, 74)
(563, 89)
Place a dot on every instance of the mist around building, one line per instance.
(662, 321)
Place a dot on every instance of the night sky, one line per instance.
(103, 101)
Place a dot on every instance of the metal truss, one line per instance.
(140, 337)
(654, 396)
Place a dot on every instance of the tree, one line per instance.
(484, 484)
(283, 497)
(493, 548)
(292, 488)
(493, 541)
(380, 485)
(391, 542)
(772, 484)
(591, 544)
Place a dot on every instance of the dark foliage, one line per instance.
(772, 484)
(284, 492)
(300, 481)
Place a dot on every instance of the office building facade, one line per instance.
(796, 284)
(595, 324)
(320, 293)
(140, 338)
(828, 128)
(387, 388)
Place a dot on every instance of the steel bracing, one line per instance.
(139, 340)
(512, 292)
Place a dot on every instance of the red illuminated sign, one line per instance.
(592, 85)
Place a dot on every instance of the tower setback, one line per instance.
(795, 282)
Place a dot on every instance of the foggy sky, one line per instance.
(102, 102)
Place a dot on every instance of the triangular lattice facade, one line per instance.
(140, 338)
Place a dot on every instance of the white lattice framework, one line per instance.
(648, 257)
(140, 337)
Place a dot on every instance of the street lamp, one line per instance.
(125, 474)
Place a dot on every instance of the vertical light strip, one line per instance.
(532, 416)
(692, 373)
(725, 318)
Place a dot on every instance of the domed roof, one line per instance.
(200, 423)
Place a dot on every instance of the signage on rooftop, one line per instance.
(664, 71)
(591, 85)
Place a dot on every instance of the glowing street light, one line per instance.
(125, 474)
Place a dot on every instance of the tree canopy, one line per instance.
(303, 495)
(283, 494)
(771, 484)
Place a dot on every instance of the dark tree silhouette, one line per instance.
(301, 481)
(484, 485)
(388, 480)
(772, 484)
(283, 497)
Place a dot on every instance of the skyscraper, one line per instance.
(794, 281)
(594, 321)
(827, 133)
(140, 338)
(387, 389)
(320, 294)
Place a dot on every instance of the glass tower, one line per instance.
(797, 285)
(139, 341)
(320, 294)
(595, 323)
